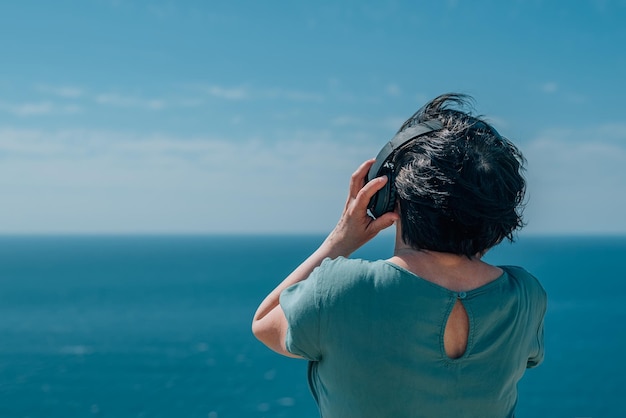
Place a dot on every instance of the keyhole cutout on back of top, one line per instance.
(456, 332)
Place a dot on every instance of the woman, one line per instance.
(434, 331)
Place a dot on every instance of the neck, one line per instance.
(453, 271)
(436, 257)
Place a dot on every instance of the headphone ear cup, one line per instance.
(385, 199)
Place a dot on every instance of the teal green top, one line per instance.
(373, 333)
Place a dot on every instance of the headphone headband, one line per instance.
(399, 140)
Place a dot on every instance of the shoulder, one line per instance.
(340, 262)
(344, 275)
(347, 269)
(526, 282)
(331, 276)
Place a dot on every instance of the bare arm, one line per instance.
(354, 229)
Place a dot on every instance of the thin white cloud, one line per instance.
(347, 120)
(229, 93)
(74, 100)
(291, 95)
(66, 92)
(39, 108)
(389, 124)
(189, 102)
(393, 90)
(137, 102)
(73, 95)
(549, 87)
(248, 93)
(118, 100)
(563, 93)
(27, 109)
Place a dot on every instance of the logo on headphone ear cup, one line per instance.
(385, 199)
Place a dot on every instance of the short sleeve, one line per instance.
(300, 304)
(537, 358)
(537, 355)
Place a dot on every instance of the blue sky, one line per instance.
(241, 116)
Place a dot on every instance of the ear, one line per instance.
(396, 207)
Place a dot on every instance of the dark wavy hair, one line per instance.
(461, 188)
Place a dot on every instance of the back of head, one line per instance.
(460, 189)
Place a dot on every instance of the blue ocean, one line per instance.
(159, 326)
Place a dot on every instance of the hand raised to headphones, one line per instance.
(356, 227)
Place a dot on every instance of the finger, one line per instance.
(369, 190)
(384, 221)
(357, 181)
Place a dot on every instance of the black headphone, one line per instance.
(385, 199)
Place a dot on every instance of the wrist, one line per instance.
(336, 246)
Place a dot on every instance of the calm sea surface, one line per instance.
(160, 326)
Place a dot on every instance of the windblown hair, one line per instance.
(461, 188)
